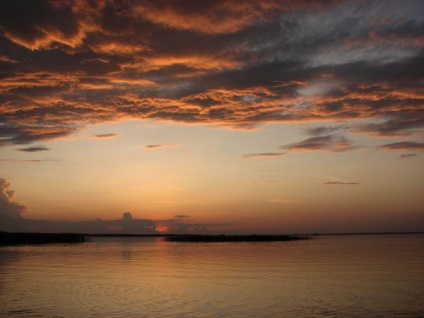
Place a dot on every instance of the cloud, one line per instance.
(6, 59)
(333, 143)
(43, 23)
(325, 130)
(159, 146)
(11, 220)
(263, 155)
(106, 136)
(27, 160)
(34, 149)
(125, 225)
(69, 64)
(21, 134)
(404, 145)
(341, 183)
(181, 216)
(214, 17)
(9, 209)
(407, 155)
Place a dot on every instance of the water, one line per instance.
(331, 276)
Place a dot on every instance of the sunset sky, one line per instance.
(211, 116)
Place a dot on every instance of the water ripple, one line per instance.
(327, 277)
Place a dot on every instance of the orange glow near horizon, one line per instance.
(162, 229)
(211, 116)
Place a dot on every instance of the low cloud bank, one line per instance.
(12, 220)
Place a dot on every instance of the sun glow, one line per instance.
(162, 229)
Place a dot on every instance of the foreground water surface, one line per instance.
(331, 276)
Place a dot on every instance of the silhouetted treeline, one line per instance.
(235, 238)
(39, 238)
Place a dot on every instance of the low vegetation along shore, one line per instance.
(39, 238)
(52, 238)
(234, 238)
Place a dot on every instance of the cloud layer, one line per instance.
(68, 64)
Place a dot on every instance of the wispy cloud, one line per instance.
(263, 155)
(407, 155)
(106, 136)
(33, 149)
(333, 143)
(404, 145)
(181, 216)
(27, 160)
(325, 130)
(341, 183)
(159, 146)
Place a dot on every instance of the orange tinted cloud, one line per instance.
(106, 136)
(42, 24)
(214, 17)
(238, 64)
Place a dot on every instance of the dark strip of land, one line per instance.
(234, 238)
(39, 238)
(7, 238)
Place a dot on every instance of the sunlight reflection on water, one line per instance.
(343, 276)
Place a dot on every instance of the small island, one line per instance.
(234, 238)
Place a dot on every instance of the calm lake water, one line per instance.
(331, 276)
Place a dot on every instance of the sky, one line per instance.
(224, 116)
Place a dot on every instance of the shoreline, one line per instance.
(7, 238)
(27, 238)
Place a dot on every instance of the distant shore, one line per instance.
(235, 238)
(52, 238)
(9, 238)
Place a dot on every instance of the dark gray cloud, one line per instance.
(404, 145)
(325, 130)
(25, 134)
(333, 143)
(34, 149)
(407, 155)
